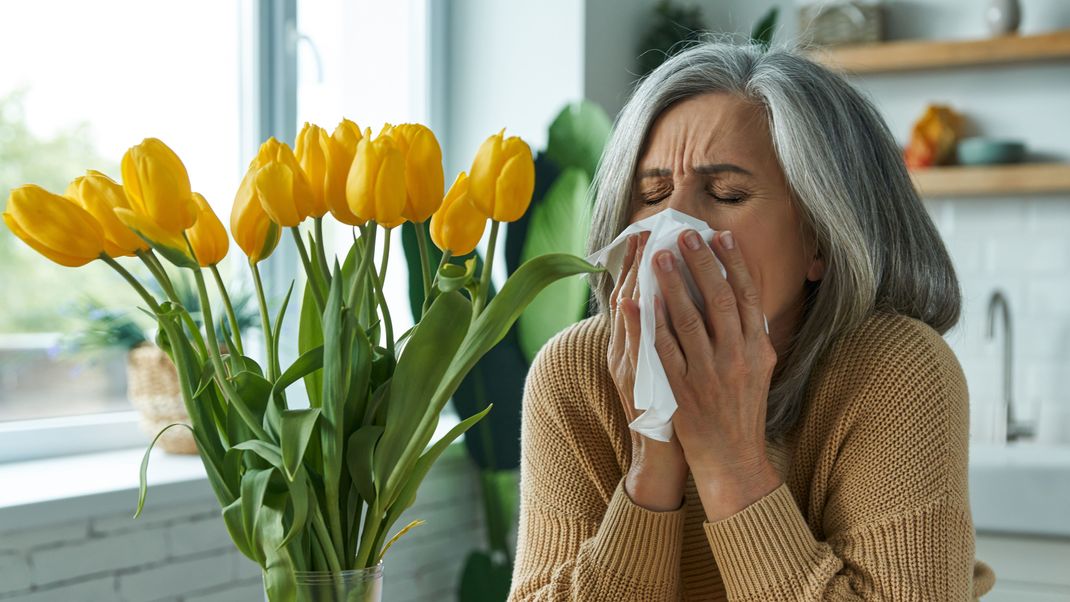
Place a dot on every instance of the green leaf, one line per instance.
(143, 485)
(308, 362)
(296, 430)
(763, 29)
(359, 455)
(277, 328)
(578, 135)
(484, 578)
(254, 485)
(486, 331)
(419, 372)
(232, 519)
(265, 450)
(407, 493)
(453, 277)
(559, 224)
(279, 566)
(309, 337)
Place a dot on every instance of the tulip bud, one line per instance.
(252, 228)
(54, 226)
(458, 225)
(208, 236)
(311, 150)
(100, 196)
(423, 170)
(281, 185)
(375, 186)
(343, 146)
(157, 186)
(502, 177)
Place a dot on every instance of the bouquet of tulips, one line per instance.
(317, 489)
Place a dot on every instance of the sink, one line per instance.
(1020, 487)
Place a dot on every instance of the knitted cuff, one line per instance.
(638, 542)
(766, 546)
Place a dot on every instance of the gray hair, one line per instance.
(846, 177)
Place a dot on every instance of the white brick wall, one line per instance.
(182, 553)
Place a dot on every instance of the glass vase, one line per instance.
(359, 585)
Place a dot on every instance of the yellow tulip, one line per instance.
(340, 151)
(157, 186)
(375, 186)
(423, 169)
(173, 247)
(311, 149)
(503, 177)
(54, 226)
(208, 236)
(250, 225)
(100, 195)
(281, 185)
(458, 225)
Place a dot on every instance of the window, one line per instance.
(89, 81)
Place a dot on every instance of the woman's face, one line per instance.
(711, 156)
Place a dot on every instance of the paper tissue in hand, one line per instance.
(652, 392)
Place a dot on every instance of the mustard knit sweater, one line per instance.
(874, 505)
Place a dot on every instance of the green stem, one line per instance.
(230, 309)
(325, 542)
(133, 282)
(386, 254)
(265, 322)
(484, 281)
(369, 534)
(153, 263)
(429, 298)
(421, 241)
(217, 361)
(321, 255)
(317, 292)
(368, 237)
(386, 311)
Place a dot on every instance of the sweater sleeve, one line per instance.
(896, 518)
(580, 536)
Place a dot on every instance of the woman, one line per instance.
(823, 460)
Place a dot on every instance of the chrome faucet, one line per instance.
(998, 302)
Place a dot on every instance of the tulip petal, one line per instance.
(390, 188)
(514, 187)
(274, 187)
(173, 248)
(208, 237)
(483, 175)
(56, 222)
(360, 182)
(69, 261)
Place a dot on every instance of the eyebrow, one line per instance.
(712, 168)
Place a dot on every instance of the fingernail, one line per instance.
(691, 238)
(726, 240)
(665, 261)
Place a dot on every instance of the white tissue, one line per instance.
(652, 392)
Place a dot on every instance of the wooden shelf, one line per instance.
(992, 180)
(928, 54)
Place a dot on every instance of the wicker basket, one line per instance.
(152, 387)
(835, 22)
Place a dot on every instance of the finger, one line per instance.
(685, 318)
(633, 328)
(624, 269)
(748, 298)
(628, 289)
(722, 315)
(665, 342)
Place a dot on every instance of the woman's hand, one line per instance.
(658, 470)
(719, 367)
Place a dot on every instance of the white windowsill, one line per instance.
(40, 492)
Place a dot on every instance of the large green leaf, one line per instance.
(577, 136)
(279, 567)
(559, 224)
(486, 331)
(360, 454)
(419, 372)
(254, 484)
(296, 430)
(143, 483)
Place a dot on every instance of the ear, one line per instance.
(817, 268)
